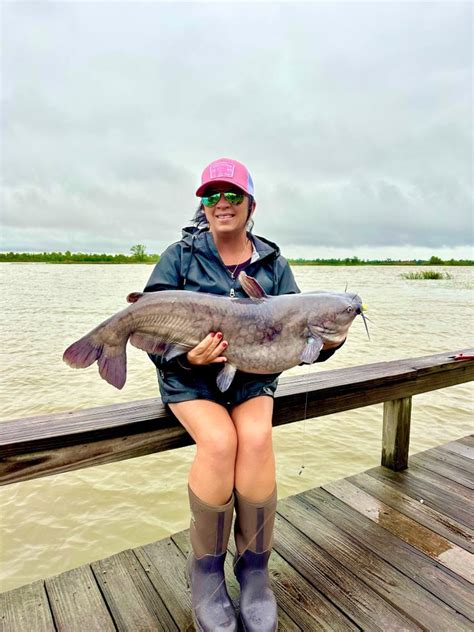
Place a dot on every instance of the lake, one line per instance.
(59, 522)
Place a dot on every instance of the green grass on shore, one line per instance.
(80, 257)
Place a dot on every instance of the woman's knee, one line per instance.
(255, 439)
(219, 446)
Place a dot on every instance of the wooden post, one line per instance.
(396, 433)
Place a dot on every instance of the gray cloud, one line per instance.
(354, 118)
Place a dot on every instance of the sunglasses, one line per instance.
(231, 197)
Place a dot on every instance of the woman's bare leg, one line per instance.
(255, 462)
(212, 473)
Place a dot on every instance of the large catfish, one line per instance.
(266, 334)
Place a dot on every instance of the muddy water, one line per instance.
(55, 523)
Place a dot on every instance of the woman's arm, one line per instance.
(166, 274)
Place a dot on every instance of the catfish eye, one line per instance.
(349, 309)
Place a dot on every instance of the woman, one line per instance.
(234, 462)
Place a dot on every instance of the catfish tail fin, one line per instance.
(112, 360)
(82, 353)
(113, 366)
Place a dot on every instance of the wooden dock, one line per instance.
(388, 549)
(381, 550)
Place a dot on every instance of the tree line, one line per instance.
(138, 254)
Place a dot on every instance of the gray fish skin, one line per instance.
(265, 335)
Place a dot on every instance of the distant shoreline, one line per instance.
(73, 258)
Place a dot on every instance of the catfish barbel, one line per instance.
(266, 334)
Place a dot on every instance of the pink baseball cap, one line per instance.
(226, 170)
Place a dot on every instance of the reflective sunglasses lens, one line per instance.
(211, 200)
(234, 198)
(231, 197)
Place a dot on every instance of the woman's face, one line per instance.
(225, 218)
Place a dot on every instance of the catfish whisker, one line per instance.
(364, 318)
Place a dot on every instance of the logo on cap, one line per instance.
(222, 170)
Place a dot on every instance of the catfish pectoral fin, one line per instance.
(310, 353)
(225, 377)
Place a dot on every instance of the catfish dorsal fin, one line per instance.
(251, 286)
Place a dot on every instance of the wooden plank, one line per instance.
(344, 588)
(77, 603)
(40, 446)
(396, 433)
(389, 583)
(130, 596)
(436, 547)
(434, 520)
(164, 564)
(444, 467)
(26, 608)
(443, 500)
(469, 440)
(456, 460)
(444, 584)
(285, 622)
(420, 472)
(458, 448)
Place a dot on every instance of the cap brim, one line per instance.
(204, 186)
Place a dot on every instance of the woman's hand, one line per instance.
(208, 350)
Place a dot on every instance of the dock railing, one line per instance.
(62, 442)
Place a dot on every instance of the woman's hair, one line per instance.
(200, 221)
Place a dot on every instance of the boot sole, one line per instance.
(245, 629)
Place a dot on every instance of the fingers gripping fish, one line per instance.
(266, 334)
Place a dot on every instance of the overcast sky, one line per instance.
(355, 120)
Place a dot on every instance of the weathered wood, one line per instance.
(431, 544)
(40, 446)
(344, 588)
(434, 495)
(77, 603)
(450, 478)
(468, 440)
(442, 467)
(396, 433)
(459, 448)
(26, 608)
(430, 518)
(389, 583)
(442, 583)
(130, 596)
(165, 567)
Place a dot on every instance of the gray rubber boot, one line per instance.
(209, 534)
(254, 539)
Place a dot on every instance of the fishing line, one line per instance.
(304, 420)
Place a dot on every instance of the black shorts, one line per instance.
(180, 385)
